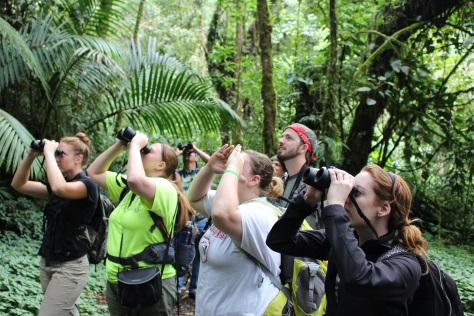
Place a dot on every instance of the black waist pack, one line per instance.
(138, 287)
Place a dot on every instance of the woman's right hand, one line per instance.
(218, 160)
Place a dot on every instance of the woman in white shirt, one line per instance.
(230, 282)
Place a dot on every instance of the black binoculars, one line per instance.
(126, 134)
(38, 145)
(185, 148)
(321, 179)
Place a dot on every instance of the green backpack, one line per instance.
(301, 284)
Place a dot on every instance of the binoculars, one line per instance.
(185, 148)
(321, 179)
(38, 145)
(126, 134)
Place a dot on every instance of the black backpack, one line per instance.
(95, 234)
(437, 293)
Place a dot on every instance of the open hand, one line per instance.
(218, 160)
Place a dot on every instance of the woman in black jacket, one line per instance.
(72, 201)
(364, 275)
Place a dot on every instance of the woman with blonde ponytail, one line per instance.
(364, 277)
(72, 200)
(230, 281)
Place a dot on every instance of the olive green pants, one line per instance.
(163, 308)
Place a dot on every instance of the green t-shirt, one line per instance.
(132, 222)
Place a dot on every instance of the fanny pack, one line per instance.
(139, 287)
(152, 254)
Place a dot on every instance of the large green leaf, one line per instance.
(15, 140)
(162, 94)
(100, 18)
(14, 52)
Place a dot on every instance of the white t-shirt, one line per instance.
(230, 283)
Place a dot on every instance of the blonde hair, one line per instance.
(81, 146)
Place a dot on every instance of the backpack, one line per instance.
(301, 283)
(95, 234)
(183, 244)
(437, 293)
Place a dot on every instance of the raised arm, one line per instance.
(225, 206)
(203, 180)
(205, 157)
(138, 180)
(21, 181)
(98, 168)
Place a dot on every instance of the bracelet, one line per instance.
(233, 172)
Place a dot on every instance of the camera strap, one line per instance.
(362, 215)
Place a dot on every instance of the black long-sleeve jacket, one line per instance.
(356, 283)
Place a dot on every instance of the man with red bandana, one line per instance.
(297, 145)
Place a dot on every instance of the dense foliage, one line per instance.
(387, 82)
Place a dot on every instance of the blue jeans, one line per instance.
(197, 260)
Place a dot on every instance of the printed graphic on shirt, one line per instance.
(217, 233)
(204, 244)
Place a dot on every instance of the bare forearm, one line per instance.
(225, 204)
(201, 184)
(55, 177)
(135, 171)
(98, 168)
(22, 173)
(205, 157)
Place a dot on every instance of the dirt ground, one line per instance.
(186, 306)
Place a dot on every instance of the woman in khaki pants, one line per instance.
(72, 201)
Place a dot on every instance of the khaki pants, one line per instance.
(163, 308)
(62, 283)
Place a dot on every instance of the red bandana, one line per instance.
(304, 138)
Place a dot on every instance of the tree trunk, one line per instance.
(239, 43)
(139, 20)
(330, 107)
(268, 90)
(360, 138)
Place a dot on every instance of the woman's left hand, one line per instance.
(217, 162)
(236, 161)
(341, 185)
(140, 140)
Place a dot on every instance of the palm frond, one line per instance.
(101, 18)
(14, 54)
(162, 99)
(15, 140)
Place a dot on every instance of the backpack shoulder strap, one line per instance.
(269, 274)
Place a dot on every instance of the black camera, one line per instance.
(126, 134)
(321, 179)
(38, 145)
(185, 148)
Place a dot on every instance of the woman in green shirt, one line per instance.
(151, 179)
